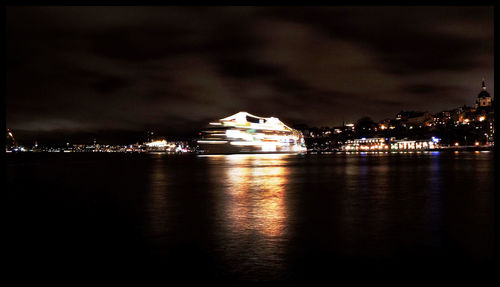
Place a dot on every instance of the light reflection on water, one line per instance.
(254, 216)
(253, 213)
(255, 190)
(158, 202)
(262, 210)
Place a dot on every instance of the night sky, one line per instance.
(75, 73)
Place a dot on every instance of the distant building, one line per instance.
(483, 98)
(385, 124)
(415, 144)
(386, 144)
(467, 115)
(421, 118)
(366, 144)
(411, 119)
(443, 118)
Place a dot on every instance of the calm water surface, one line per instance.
(252, 217)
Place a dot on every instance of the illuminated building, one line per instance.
(483, 99)
(349, 126)
(413, 119)
(246, 133)
(366, 144)
(442, 118)
(420, 118)
(385, 144)
(415, 144)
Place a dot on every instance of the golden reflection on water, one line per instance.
(157, 203)
(255, 194)
(252, 216)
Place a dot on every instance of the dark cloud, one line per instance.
(93, 70)
(407, 39)
(422, 88)
(246, 68)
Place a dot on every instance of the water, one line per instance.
(251, 217)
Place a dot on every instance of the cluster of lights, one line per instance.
(263, 134)
(415, 145)
(364, 144)
(163, 145)
(381, 144)
(367, 147)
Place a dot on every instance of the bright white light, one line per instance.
(233, 133)
(268, 146)
(212, 142)
(270, 134)
(243, 143)
(162, 143)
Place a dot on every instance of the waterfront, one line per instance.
(252, 217)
